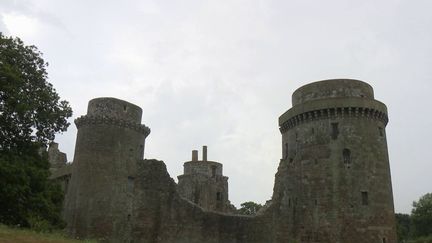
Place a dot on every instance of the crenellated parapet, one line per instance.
(95, 120)
(333, 113)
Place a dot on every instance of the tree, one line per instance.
(421, 216)
(249, 208)
(403, 227)
(30, 108)
(27, 197)
(31, 112)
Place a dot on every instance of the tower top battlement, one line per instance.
(204, 166)
(332, 88)
(108, 107)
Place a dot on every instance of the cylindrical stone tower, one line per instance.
(333, 183)
(110, 142)
(204, 184)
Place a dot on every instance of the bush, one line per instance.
(39, 224)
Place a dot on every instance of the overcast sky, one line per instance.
(220, 73)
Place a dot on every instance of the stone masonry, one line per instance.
(204, 184)
(333, 182)
(60, 170)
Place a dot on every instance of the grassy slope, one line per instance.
(10, 235)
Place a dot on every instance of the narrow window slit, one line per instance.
(335, 130)
(346, 153)
(365, 198)
(381, 131)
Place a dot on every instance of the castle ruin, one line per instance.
(204, 184)
(333, 182)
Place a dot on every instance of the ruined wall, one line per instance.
(56, 158)
(60, 170)
(162, 216)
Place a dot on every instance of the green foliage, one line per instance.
(426, 239)
(30, 114)
(421, 216)
(249, 208)
(417, 227)
(39, 224)
(30, 108)
(403, 226)
(27, 196)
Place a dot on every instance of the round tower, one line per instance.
(333, 183)
(204, 184)
(110, 142)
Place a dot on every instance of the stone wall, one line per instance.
(333, 182)
(161, 215)
(56, 158)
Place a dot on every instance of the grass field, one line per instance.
(11, 235)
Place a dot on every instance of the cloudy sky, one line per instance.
(219, 73)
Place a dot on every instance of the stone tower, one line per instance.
(204, 184)
(110, 142)
(333, 183)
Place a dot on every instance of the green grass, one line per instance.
(13, 235)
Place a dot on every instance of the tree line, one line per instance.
(417, 226)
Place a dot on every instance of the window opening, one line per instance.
(365, 198)
(286, 151)
(335, 130)
(196, 196)
(381, 131)
(213, 168)
(131, 183)
(346, 156)
(219, 196)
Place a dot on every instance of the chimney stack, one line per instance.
(204, 153)
(194, 155)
